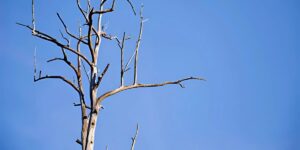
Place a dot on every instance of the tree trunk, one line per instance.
(94, 111)
(90, 142)
(84, 130)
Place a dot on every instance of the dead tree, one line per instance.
(91, 41)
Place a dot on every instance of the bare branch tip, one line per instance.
(132, 7)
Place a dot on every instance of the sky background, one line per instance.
(248, 51)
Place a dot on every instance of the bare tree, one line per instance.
(90, 41)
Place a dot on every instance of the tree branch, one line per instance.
(33, 17)
(66, 61)
(138, 45)
(34, 64)
(57, 77)
(111, 9)
(90, 29)
(120, 89)
(102, 3)
(86, 72)
(122, 59)
(88, 107)
(82, 11)
(135, 136)
(54, 41)
(67, 31)
(131, 5)
(102, 75)
(68, 41)
(88, 5)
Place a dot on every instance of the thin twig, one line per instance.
(131, 5)
(79, 142)
(102, 75)
(88, 107)
(129, 61)
(135, 136)
(111, 9)
(67, 30)
(82, 11)
(62, 35)
(137, 47)
(85, 70)
(103, 2)
(122, 58)
(34, 64)
(33, 17)
(88, 5)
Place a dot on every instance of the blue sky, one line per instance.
(247, 50)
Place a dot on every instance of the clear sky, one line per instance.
(248, 51)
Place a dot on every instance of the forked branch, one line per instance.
(49, 38)
(111, 9)
(135, 136)
(67, 30)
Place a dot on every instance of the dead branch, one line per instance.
(102, 75)
(131, 5)
(33, 18)
(85, 70)
(102, 3)
(120, 89)
(68, 41)
(66, 61)
(34, 64)
(79, 142)
(88, 5)
(54, 41)
(88, 107)
(82, 11)
(122, 58)
(57, 77)
(90, 28)
(111, 9)
(67, 30)
(135, 136)
(137, 46)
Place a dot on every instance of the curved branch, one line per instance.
(123, 88)
(49, 38)
(58, 77)
(66, 61)
(111, 9)
(82, 11)
(132, 7)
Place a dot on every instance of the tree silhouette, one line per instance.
(90, 36)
